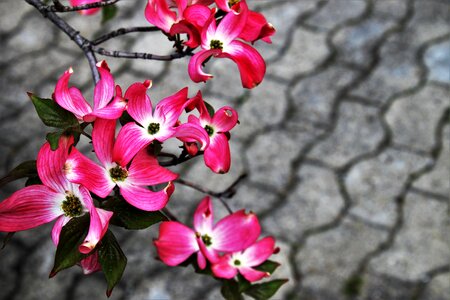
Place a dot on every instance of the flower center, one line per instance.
(118, 173)
(216, 44)
(153, 128)
(206, 240)
(237, 262)
(209, 130)
(72, 206)
(233, 2)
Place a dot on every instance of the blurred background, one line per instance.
(346, 144)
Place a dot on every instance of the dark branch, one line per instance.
(122, 31)
(137, 55)
(58, 7)
(82, 42)
(177, 160)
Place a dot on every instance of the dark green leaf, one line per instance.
(244, 284)
(155, 148)
(268, 266)
(125, 118)
(52, 114)
(129, 217)
(112, 259)
(230, 290)
(108, 13)
(25, 169)
(72, 235)
(53, 139)
(265, 290)
(33, 180)
(210, 109)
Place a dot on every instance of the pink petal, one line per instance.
(145, 170)
(191, 132)
(51, 165)
(223, 5)
(195, 65)
(250, 63)
(113, 110)
(145, 199)
(259, 252)
(30, 207)
(201, 260)
(104, 89)
(103, 136)
(209, 30)
(197, 15)
(131, 139)
(252, 274)
(97, 228)
(71, 99)
(232, 24)
(224, 269)
(90, 264)
(208, 251)
(157, 12)
(85, 11)
(176, 243)
(56, 231)
(170, 108)
(217, 155)
(236, 232)
(192, 32)
(225, 119)
(257, 28)
(139, 104)
(203, 216)
(81, 170)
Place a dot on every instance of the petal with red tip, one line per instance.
(257, 28)
(99, 220)
(250, 63)
(145, 170)
(139, 104)
(191, 132)
(195, 65)
(236, 232)
(157, 12)
(259, 252)
(30, 207)
(225, 119)
(169, 109)
(203, 216)
(217, 155)
(176, 243)
(251, 274)
(130, 140)
(103, 136)
(192, 32)
(145, 199)
(104, 89)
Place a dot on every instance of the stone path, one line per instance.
(346, 143)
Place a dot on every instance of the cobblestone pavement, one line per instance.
(346, 143)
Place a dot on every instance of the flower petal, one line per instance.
(30, 207)
(90, 264)
(203, 217)
(56, 231)
(145, 170)
(197, 15)
(189, 132)
(257, 28)
(97, 228)
(81, 170)
(71, 99)
(139, 104)
(217, 156)
(251, 274)
(176, 243)
(145, 199)
(259, 252)
(103, 136)
(232, 24)
(157, 12)
(130, 140)
(236, 232)
(195, 65)
(250, 63)
(85, 11)
(224, 269)
(192, 32)
(225, 119)
(104, 89)
(170, 108)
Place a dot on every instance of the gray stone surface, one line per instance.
(346, 146)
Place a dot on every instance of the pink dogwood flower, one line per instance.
(90, 11)
(217, 155)
(234, 232)
(106, 105)
(132, 180)
(160, 124)
(56, 198)
(243, 261)
(221, 41)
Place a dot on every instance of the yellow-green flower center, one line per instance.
(72, 206)
(153, 128)
(237, 262)
(209, 130)
(206, 240)
(118, 173)
(233, 2)
(216, 44)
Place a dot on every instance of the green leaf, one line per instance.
(53, 139)
(230, 290)
(72, 235)
(108, 13)
(33, 180)
(112, 259)
(25, 169)
(52, 114)
(210, 109)
(129, 217)
(268, 266)
(265, 290)
(244, 284)
(125, 118)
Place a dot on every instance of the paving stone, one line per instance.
(437, 59)
(329, 258)
(253, 197)
(301, 57)
(315, 95)
(373, 184)
(315, 201)
(437, 288)
(413, 119)
(382, 287)
(436, 181)
(337, 12)
(17, 10)
(349, 139)
(421, 244)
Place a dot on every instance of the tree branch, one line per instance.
(137, 55)
(58, 7)
(122, 31)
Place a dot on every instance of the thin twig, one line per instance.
(136, 55)
(122, 31)
(178, 160)
(58, 7)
